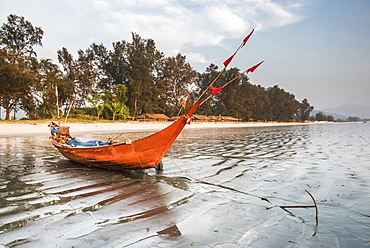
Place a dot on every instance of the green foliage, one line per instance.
(244, 100)
(353, 118)
(83, 117)
(19, 35)
(132, 78)
(320, 116)
(329, 118)
(17, 77)
(173, 81)
(304, 110)
(18, 74)
(49, 78)
(110, 103)
(140, 66)
(80, 76)
(117, 109)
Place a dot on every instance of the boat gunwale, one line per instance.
(64, 146)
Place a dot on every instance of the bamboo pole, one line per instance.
(223, 86)
(69, 109)
(245, 72)
(226, 64)
(57, 103)
(214, 80)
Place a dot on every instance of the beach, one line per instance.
(212, 192)
(41, 128)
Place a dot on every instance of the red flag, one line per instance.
(215, 90)
(253, 68)
(183, 102)
(227, 62)
(247, 38)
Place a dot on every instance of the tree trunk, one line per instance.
(7, 113)
(135, 108)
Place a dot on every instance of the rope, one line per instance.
(133, 149)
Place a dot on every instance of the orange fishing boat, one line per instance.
(140, 154)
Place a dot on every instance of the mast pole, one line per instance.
(245, 72)
(57, 103)
(69, 109)
(226, 63)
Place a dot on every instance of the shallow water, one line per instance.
(46, 200)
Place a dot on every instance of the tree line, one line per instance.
(320, 116)
(130, 79)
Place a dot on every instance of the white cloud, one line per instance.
(101, 5)
(196, 57)
(171, 24)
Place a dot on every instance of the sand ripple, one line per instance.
(50, 201)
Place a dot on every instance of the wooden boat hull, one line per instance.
(140, 154)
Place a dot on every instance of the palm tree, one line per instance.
(117, 108)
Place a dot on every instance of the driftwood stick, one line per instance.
(298, 206)
(307, 206)
(262, 198)
(316, 206)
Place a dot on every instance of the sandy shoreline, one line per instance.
(30, 129)
(50, 200)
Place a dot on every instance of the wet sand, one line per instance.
(37, 128)
(48, 201)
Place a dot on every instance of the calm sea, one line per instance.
(46, 200)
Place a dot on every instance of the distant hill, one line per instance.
(336, 116)
(347, 110)
(344, 111)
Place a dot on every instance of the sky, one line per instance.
(314, 49)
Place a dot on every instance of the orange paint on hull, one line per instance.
(140, 154)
